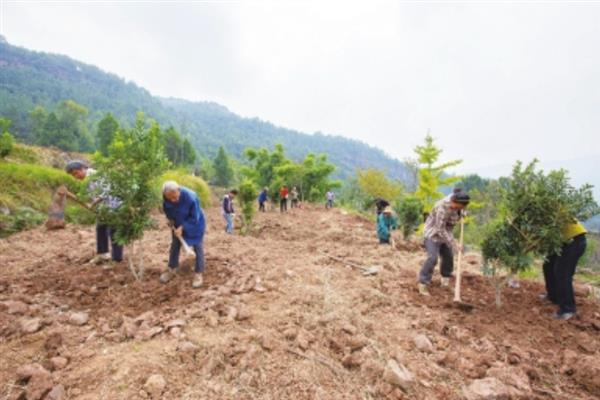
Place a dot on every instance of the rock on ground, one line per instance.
(155, 386)
(397, 375)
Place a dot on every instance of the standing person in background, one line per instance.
(283, 196)
(330, 199)
(99, 192)
(228, 211)
(559, 270)
(262, 199)
(294, 196)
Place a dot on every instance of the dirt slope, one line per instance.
(277, 318)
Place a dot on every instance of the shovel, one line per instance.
(457, 300)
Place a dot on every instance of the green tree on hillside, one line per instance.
(65, 128)
(375, 184)
(107, 128)
(6, 139)
(189, 153)
(223, 169)
(431, 175)
(173, 146)
(73, 123)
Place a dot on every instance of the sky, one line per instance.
(493, 82)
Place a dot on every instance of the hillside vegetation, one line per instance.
(29, 79)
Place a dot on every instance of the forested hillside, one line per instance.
(29, 79)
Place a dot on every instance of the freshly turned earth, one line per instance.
(277, 319)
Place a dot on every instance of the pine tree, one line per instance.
(223, 169)
(432, 176)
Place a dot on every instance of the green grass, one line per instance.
(27, 193)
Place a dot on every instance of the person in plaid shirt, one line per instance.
(439, 240)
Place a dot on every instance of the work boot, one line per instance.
(423, 289)
(197, 281)
(445, 281)
(100, 258)
(167, 276)
(564, 316)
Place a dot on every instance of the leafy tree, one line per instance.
(375, 184)
(173, 146)
(473, 182)
(432, 175)
(247, 197)
(135, 158)
(223, 169)
(73, 124)
(410, 214)
(5, 125)
(6, 139)
(189, 153)
(107, 127)
(6, 144)
(533, 209)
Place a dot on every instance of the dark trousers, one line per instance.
(283, 205)
(176, 248)
(104, 235)
(294, 203)
(261, 206)
(435, 250)
(329, 204)
(384, 241)
(559, 271)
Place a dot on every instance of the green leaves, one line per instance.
(410, 214)
(247, 194)
(532, 212)
(431, 177)
(223, 169)
(135, 158)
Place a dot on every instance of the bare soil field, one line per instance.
(282, 315)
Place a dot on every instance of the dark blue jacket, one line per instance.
(262, 197)
(187, 213)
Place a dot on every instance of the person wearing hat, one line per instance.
(99, 191)
(386, 222)
(439, 240)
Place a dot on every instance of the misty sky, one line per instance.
(494, 81)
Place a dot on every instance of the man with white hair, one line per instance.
(182, 207)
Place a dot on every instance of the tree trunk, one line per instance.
(131, 260)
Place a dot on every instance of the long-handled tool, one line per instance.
(457, 298)
(56, 212)
(186, 248)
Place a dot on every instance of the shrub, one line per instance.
(7, 142)
(247, 197)
(192, 182)
(410, 214)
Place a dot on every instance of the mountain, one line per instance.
(29, 78)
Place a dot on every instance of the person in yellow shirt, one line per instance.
(560, 268)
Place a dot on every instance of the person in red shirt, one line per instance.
(283, 196)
